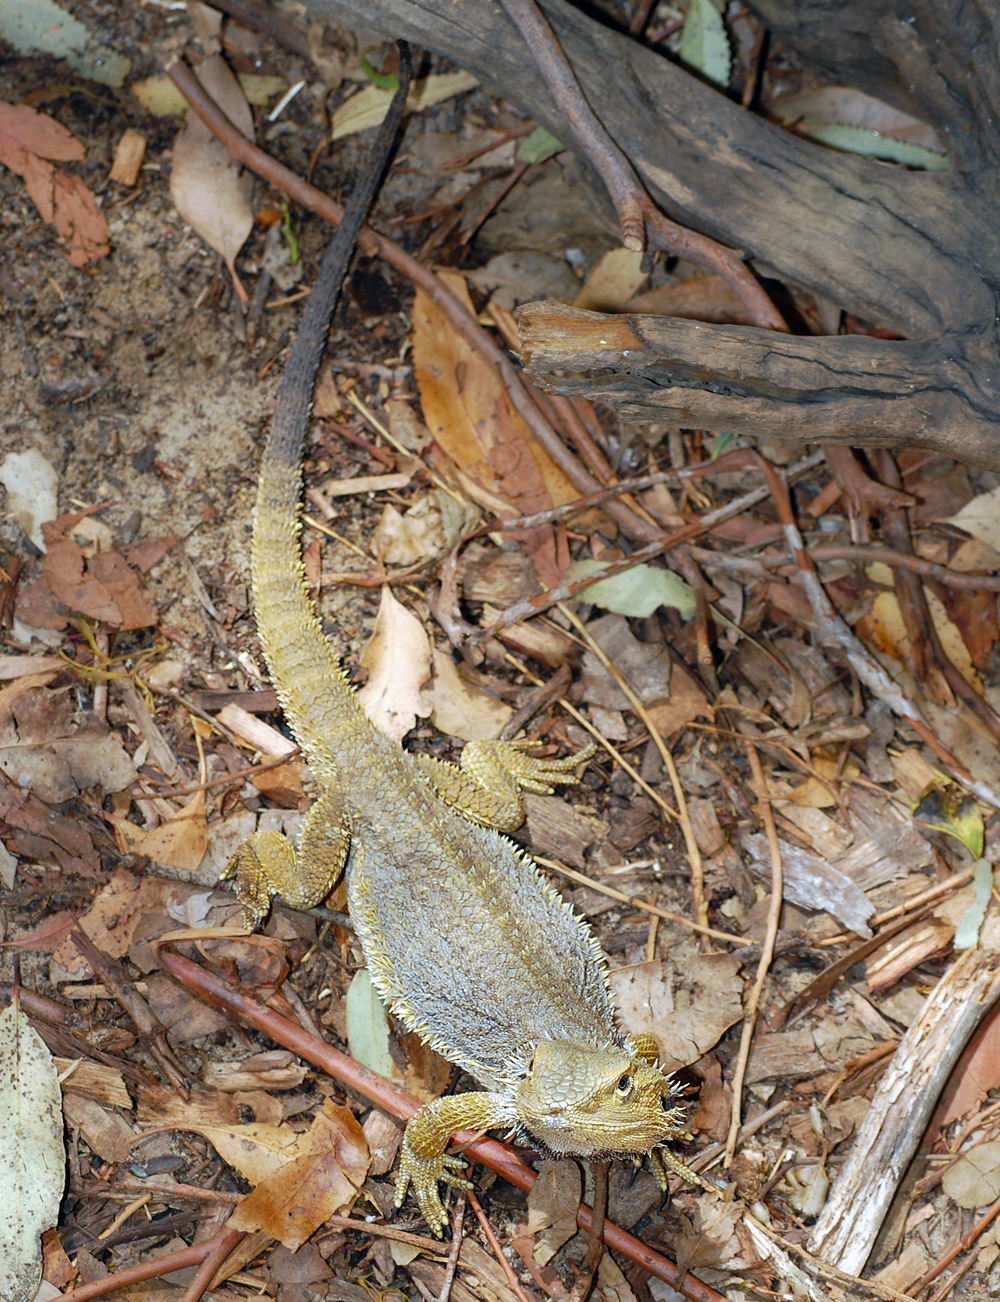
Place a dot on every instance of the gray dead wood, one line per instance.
(894, 1124)
(915, 252)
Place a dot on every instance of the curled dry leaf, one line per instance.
(28, 140)
(31, 1152)
(398, 660)
(319, 1174)
(208, 189)
(469, 414)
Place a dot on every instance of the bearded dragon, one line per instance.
(466, 942)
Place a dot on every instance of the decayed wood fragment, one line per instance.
(895, 1123)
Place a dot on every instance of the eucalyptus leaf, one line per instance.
(967, 931)
(32, 1154)
(705, 42)
(368, 1025)
(636, 592)
(874, 144)
(538, 146)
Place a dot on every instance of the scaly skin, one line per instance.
(466, 942)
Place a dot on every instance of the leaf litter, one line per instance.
(95, 819)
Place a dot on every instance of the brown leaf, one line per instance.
(122, 583)
(469, 414)
(323, 1175)
(703, 298)
(181, 841)
(207, 187)
(65, 573)
(686, 1004)
(398, 659)
(27, 140)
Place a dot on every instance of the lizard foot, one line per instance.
(660, 1159)
(540, 775)
(262, 857)
(424, 1173)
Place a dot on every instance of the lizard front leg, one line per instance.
(487, 787)
(267, 864)
(423, 1161)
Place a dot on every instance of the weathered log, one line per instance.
(915, 252)
(853, 389)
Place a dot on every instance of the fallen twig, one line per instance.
(642, 223)
(897, 560)
(767, 949)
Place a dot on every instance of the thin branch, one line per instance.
(498, 1252)
(641, 221)
(897, 560)
(767, 949)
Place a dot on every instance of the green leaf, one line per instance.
(368, 1025)
(967, 931)
(947, 808)
(705, 43)
(636, 592)
(722, 441)
(538, 146)
(873, 144)
(383, 80)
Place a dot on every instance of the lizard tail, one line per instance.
(314, 693)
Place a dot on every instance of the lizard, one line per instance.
(466, 942)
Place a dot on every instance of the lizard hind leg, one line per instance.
(267, 863)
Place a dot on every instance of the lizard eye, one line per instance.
(624, 1085)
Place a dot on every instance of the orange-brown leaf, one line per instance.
(28, 139)
(324, 1175)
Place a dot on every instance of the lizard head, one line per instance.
(588, 1102)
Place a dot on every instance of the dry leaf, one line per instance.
(31, 483)
(688, 1006)
(181, 841)
(468, 412)
(459, 708)
(814, 884)
(617, 278)
(885, 629)
(321, 1175)
(369, 106)
(398, 660)
(974, 1180)
(27, 140)
(702, 298)
(553, 1202)
(31, 1152)
(208, 189)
